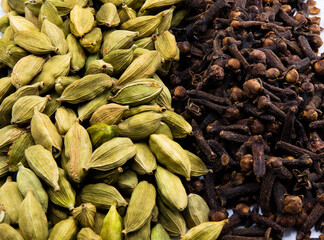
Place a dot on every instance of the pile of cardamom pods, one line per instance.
(86, 124)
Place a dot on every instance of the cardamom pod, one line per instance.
(15, 52)
(178, 16)
(143, 233)
(127, 181)
(23, 109)
(101, 132)
(109, 177)
(6, 87)
(65, 197)
(171, 154)
(92, 40)
(19, 23)
(140, 207)
(198, 167)
(32, 219)
(78, 150)
(63, 8)
(64, 119)
(166, 21)
(142, 67)
(109, 114)
(206, 230)
(79, 56)
(159, 233)
(8, 34)
(107, 15)
(4, 216)
(34, 6)
(11, 199)
(197, 210)
(72, 3)
(17, 151)
(117, 39)
(26, 69)
(144, 161)
(99, 218)
(125, 13)
(87, 234)
(99, 66)
(55, 215)
(119, 59)
(86, 88)
(143, 108)
(146, 43)
(180, 128)
(85, 214)
(32, 18)
(5, 59)
(166, 44)
(17, 6)
(48, 11)
(165, 98)
(164, 129)
(152, 4)
(4, 167)
(52, 105)
(27, 179)
(140, 126)
(63, 81)
(9, 233)
(45, 133)
(171, 189)
(9, 135)
(171, 220)
(101, 195)
(112, 225)
(64, 230)
(5, 6)
(135, 4)
(81, 20)
(43, 164)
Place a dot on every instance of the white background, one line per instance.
(290, 233)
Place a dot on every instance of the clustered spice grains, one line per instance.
(250, 82)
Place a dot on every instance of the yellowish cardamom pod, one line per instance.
(159, 233)
(92, 40)
(166, 44)
(9, 135)
(9, 233)
(98, 222)
(178, 16)
(207, 230)
(19, 23)
(99, 66)
(72, 3)
(52, 105)
(109, 177)
(164, 129)
(166, 21)
(64, 119)
(142, 108)
(119, 59)
(144, 161)
(197, 210)
(55, 215)
(17, 6)
(117, 39)
(101, 132)
(109, 114)
(107, 15)
(125, 13)
(85, 214)
(6, 87)
(143, 233)
(79, 56)
(198, 167)
(88, 233)
(112, 225)
(63, 81)
(64, 230)
(81, 20)
(4, 167)
(146, 43)
(48, 11)
(153, 4)
(180, 128)
(127, 181)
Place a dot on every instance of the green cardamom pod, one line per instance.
(17, 6)
(19, 23)
(48, 11)
(165, 98)
(109, 114)
(9, 135)
(6, 87)
(63, 8)
(197, 210)
(180, 128)
(56, 215)
(198, 167)
(85, 214)
(99, 218)
(101, 132)
(109, 177)
(207, 230)
(99, 66)
(144, 161)
(52, 105)
(164, 129)
(165, 24)
(117, 39)
(127, 181)
(112, 225)
(135, 4)
(146, 43)
(9, 233)
(143, 108)
(64, 119)
(119, 59)
(125, 13)
(107, 15)
(63, 81)
(92, 40)
(166, 44)
(143, 233)
(87, 234)
(159, 233)
(65, 230)
(79, 56)
(4, 167)
(81, 20)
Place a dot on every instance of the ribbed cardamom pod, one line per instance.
(164, 129)
(197, 210)
(23, 109)
(111, 154)
(166, 21)
(117, 39)
(137, 93)
(171, 154)
(65, 197)
(9, 233)
(63, 81)
(109, 177)
(117, 3)
(165, 98)
(79, 56)
(32, 219)
(88, 234)
(19, 23)
(119, 59)
(144, 25)
(58, 65)
(8, 102)
(142, 67)
(86, 88)
(99, 218)
(166, 44)
(64, 119)
(15, 53)
(171, 220)
(78, 150)
(72, 3)
(5, 6)
(8, 33)
(146, 43)
(55, 214)
(180, 128)
(207, 230)
(27, 179)
(17, 6)
(159, 233)
(56, 36)
(143, 233)
(102, 195)
(45, 133)
(52, 105)
(92, 40)
(4, 216)
(101, 132)
(135, 4)
(140, 126)
(153, 4)
(144, 161)
(32, 18)
(43, 164)
(64, 230)
(81, 20)
(4, 167)
(35, 42)
(109, 114)
(26, 69)
(11, 199)
(6, 87)
(178, 16)
(17, 151)
(34, 6)
(99, 66)
(112, 225)
(125, 13)
(9, 135)
(87, 109)
(171, 189)
(5, 59)
(143, 108)
(107, 15)
(62, 8)
(198, 167)
(85, 214)
(127, 181)
(66, 27)
(48, 11)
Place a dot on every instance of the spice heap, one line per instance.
(250, 82)
(86, 124)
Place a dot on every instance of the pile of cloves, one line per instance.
(250, 81)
